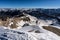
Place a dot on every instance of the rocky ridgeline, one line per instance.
(15, 14)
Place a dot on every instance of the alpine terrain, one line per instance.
(29, 24)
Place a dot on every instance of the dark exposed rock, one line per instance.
(52, 29)
(37, 31)
(25, 25)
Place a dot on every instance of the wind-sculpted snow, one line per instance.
(8, 34)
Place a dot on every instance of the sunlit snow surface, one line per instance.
(8, 34)
(28, 32)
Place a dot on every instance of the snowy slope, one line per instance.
(6, 34)
(34, 31)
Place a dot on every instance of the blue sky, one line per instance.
(29, 3)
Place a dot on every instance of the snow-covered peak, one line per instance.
(28, 27)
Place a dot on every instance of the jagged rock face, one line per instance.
(14, 22)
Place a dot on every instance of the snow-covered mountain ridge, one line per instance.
(31, 29)
(30, 25)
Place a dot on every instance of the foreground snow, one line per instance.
(23, 34)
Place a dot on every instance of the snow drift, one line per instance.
(33, 24)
